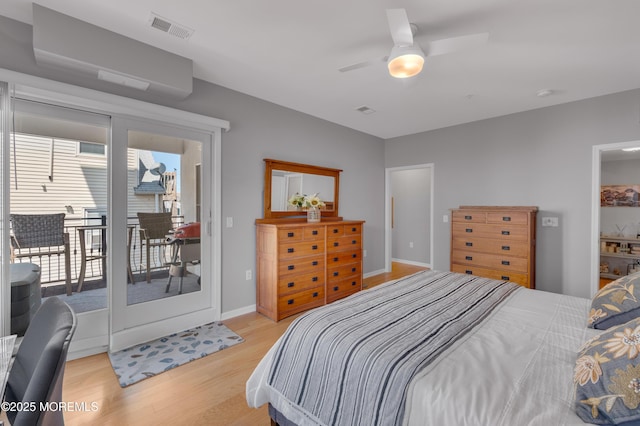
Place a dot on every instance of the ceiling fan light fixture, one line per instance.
(405, 61)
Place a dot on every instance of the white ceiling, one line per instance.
(288, 52)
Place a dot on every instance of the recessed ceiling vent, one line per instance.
(365, 110)
(169, 27)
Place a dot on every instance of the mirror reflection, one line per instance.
(285, 184)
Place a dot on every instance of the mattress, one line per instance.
(515, 368)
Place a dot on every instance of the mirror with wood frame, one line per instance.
(283, 179)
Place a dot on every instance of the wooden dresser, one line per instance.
(303, 265)
(495, 242)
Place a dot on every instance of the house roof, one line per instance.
(288, 52)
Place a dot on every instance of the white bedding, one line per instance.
(516, 368)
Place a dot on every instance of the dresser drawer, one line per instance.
(343, 271)
(299, 249)
(492, 246)
(503, 232)
(298, 302)
(468, 216)
(301, 265)
(518, 278)
(296, 283)
(314, 233)
(491, 261)
(335, 231)
(353, 229)
(348, 242)
(343, 288)
(517, 218)
(342, 257)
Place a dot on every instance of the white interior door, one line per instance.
(153, 170)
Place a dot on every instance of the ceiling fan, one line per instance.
(407, 58)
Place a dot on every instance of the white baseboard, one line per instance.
(411, 262)
(237, 312)
(372, 273)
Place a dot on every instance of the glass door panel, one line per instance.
(160, 197)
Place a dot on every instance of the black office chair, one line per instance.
(37, 371)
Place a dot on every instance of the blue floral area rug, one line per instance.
(148, 359)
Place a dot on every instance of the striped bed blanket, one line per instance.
(350, 362)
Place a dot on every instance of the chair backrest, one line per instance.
(156, 225)
(37, 371)
(38, 230)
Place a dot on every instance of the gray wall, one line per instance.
(259, 130)
(411, 192)
(540, 158)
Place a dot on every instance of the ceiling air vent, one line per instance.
(365, 110)
(172, 28)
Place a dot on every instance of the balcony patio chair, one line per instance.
(37, 372)
(40, 235)
(154, 228)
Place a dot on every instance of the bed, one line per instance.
(455, 349)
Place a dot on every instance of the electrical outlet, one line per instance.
(229, 222)
(364, 253)
(550, 221)
(445, 218)
(248, 274)
(411, 244)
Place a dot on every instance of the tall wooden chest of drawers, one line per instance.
(303, 265)
(495, 242)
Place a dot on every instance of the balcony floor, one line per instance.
(94, 292)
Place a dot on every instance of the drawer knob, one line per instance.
(506, 233)
(314, 247)
(290, 285)
(353, 269)
(505, 277)
(353, 283)
(314, 232)
(291, 267)
(290, 250)
(335, 230)
(314, 263)
(468, 217)
(354, 242)
(506, 218)
(468, 244)
(468, 272)
(336, 244)
(468, 257)
(315, 294)
(314, 279)
(336, 288)
(353, 229)
(468, 230)
(335, 259)
(335, 274)
(354, 255)
(290, 234)
(506, 262)
(290, 302)
(506, 248)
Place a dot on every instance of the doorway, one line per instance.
(615, 223)
(409, 215)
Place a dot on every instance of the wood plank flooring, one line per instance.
(209, 391)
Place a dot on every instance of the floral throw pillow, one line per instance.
(607, 377)
(616, 303)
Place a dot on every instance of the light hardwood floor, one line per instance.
(209, 391)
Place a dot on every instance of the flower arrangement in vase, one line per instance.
(310, 203)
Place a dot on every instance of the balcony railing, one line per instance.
(52, 266)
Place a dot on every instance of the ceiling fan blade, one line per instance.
(399, 27)
(363, 64)
(454, 44)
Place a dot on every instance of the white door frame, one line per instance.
(92, 334)
(595, 206)
(388, 239)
